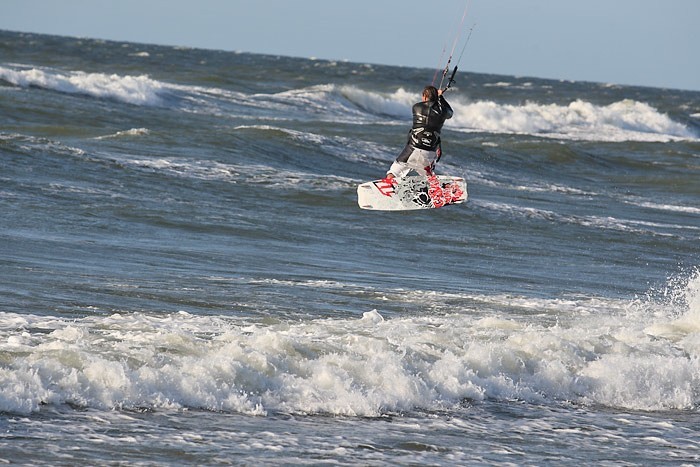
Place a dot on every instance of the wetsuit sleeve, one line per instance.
(447, 110)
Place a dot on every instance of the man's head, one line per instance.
(430, 94)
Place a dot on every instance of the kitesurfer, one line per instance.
(423, 149)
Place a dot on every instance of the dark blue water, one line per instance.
(185, 275)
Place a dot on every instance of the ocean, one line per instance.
(186, 277)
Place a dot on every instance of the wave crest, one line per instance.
(625, 120)
(138, 90)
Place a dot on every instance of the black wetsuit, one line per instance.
(428, 118)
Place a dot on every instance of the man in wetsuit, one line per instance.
(423, 148)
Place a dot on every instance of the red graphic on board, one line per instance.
(386, 186)
(436, 193)
(441, 195)
(457, 192)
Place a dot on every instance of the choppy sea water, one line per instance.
(185, 276)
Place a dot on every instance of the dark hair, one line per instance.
(430, 93)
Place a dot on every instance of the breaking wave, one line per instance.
(626, 120)
(138, 90)
(642, 355)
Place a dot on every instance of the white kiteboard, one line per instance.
(412, 192)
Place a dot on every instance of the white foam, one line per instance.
(600, 222)
(252, 174)
(397, 104)
(331, 102)
(665, 207)
(579, 120)
(625, 120)
(584, 350)
(131, 132)
(139, 90)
